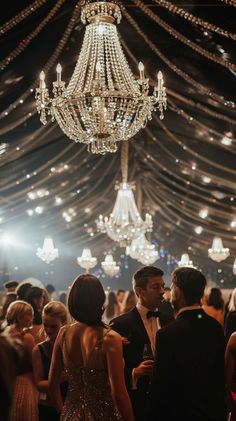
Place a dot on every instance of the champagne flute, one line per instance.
(147, 352)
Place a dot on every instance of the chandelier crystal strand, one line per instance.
(48, 253)
(218, 252)
(124, 223)
(86, 261)
(109, 266)
(103, 102)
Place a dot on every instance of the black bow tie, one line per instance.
(153, 314)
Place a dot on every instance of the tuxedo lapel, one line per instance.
(139, 326)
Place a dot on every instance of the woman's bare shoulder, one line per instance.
(111, 335)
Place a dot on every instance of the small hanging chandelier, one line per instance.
(86, 261)
(217, 252)
(234, 267)
(185, 261)
(124, 223)
(103, 102)
(109, 266)
(48, 253)
(143, 251)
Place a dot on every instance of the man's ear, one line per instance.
(137, 291)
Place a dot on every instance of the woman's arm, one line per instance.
(115, 366)
(41, 383)
(55, 372)
(230, 365)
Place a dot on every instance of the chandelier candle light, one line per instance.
(86, 261)
(48, 253)
(124, 223)
(109, 266)
(103, 102)
(218, 252)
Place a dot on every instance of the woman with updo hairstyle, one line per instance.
(25, 400)
(92, 356)
(54, 316)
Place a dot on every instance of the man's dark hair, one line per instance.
(215, 299)
(119, 291)
(11, 284)
(191, 282)
(140, 278)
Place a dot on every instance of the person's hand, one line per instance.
(145, 368)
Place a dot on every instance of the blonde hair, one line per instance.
(16, 309)
(58, 310)
(232, 302)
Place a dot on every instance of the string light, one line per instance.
(194, 19)
(183, 39)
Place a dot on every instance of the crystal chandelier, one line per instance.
(109, 266)
(143, 251)
(218, 252)
(185, 261)
(103, 102)
(86, 261)
(234, 267)
(124, 223)
(48, 253)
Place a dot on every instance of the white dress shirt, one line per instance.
(152, 325)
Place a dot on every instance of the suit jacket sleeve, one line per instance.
(119, 328)
(163, 373)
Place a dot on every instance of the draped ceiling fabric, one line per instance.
(179, 164)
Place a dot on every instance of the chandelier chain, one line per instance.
(124, 160)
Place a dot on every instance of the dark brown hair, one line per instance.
(191, 282)
(214, 298)
(140, 278)
(86, 300)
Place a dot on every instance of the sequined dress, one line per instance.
(89, 395)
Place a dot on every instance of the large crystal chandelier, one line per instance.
(48, 253)
(103, 102)
(86, 261)
(143, 251)
(124, 223)
(185, 261)
(109, 266)
(218, 252)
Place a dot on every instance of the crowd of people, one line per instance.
(153, 353)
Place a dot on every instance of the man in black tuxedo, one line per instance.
(139, 327)
(188, 378)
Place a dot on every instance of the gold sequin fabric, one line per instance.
(89, 394)
(89, 397)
